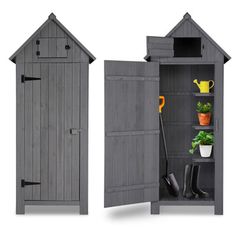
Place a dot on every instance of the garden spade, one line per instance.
(169, 178)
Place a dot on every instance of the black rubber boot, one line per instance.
(195, 183)
(187, 186)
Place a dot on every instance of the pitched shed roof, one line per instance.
(187, 17)
(53, 18)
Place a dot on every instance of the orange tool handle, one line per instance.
(161, 102)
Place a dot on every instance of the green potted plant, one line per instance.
(204, 113)
(204, 140)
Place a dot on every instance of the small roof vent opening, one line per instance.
(187, 47)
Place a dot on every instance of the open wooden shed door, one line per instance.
(131, 132)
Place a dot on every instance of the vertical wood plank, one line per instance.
(52, 44)
(20, 146)
(60, 129)
(218, 133)
(76, 138)
(28, 131)
(28, 52)
(44, 131)
(60, 32)
(36, 131)
(52, 162)
(68, 126)
(84, 140)
(76, 52)
(52, 29)
(44, 33)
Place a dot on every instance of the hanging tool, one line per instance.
(169, 178)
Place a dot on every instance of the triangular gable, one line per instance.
(187, 17)
(53, 18)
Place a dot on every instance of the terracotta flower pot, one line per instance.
(204, 118)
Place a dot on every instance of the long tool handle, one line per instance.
(162, 98)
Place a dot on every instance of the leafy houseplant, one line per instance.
(204, 140)
(204, 113)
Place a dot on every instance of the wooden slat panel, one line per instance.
(125, 133)
(84, 140)
(52, 163)
(76, 138)
(60, 32)
(52, 29)
(20, 139)
(132, 128)
(52, 203)
(160, 40)
(36, 132)
(161, 52)
(126, 102)
(60, 129)
(160, 46)
(218, 132)
(132, 187)
(28, 131)
(52, 47)
(76, 52)
(44, 131)
(132, 78)
(28, 52)
(68, 125)
(44, 47)
(61, 51)
(45, 31)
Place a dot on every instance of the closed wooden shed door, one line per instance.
(131, 132)
(52, 131)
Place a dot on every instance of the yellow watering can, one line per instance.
(204, 86)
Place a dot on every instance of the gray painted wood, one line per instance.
(20, 140)
(131, 157)
(44, 119)
(52, 203)
(47, 111)
(84, 138)
(68, 125)
(187, 27)
(179, 114)
(28, 131)
(75, 162)
(61, 51)
(52, 132)
(60, 129)
(218, 131)
(36, 131)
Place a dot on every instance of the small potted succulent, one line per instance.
(204, 113)
(205, 141)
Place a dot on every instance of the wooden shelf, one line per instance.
(203, 159)
(203, 127)
(203, 94)
(166, 199)
(176, 93)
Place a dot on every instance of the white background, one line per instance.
(111, 30)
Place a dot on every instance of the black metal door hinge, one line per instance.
(25, 183)
(38, 53)
(25, 78)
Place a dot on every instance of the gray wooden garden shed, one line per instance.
(134, 155)
(52, 119)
